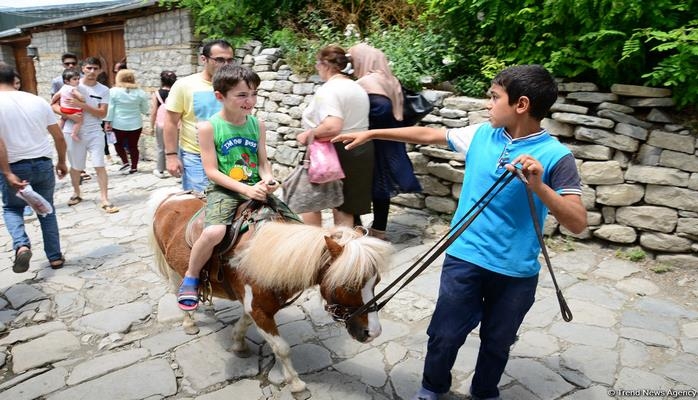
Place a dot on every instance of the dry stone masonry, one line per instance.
(639, 168)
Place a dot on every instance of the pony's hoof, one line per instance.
(243, 353)
(297, 386)
(190, 327)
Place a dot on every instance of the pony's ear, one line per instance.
(334, 247)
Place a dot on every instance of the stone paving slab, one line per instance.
(107, 323)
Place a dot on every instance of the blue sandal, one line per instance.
(188, 294)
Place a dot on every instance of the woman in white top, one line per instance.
(340, 105)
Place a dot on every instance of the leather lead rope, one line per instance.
(438, 248)
(564, 309)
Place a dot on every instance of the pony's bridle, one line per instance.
(341, 313)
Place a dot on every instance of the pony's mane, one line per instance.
(289, 256)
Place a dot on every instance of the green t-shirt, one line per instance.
(236, 148)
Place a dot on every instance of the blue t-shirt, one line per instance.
(502, 238)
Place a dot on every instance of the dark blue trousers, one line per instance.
(469, 295)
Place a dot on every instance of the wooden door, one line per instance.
(107, 44)
(24, 65)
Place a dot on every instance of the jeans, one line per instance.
(469, 295)
(194, 176)
(39, 173)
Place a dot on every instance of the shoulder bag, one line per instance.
(303, 196)
(415, 107)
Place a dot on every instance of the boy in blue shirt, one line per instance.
(490, 272)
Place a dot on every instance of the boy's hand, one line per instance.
(272, 185)
(353, 139)
(257, 192)
(531, 168)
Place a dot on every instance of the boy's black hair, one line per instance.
(167, 78)
(68, 55)
(7, 74)
(206, 50)
(92, 61)
(230, 75)
(532, 81)
(69, 73)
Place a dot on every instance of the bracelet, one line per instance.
(173, 153)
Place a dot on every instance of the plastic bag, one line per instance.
(36, 201)
(111, 137)
(324, 163)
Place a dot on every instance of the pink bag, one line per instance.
(324, 163)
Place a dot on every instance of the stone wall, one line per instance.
(639, 168)
(154, 42)
(158, 42)
(51, 45)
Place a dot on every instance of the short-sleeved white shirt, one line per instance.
(94, 96)
(342, 98)
(24, 119)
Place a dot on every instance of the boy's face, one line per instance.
(239, 99)
(91, 71)
(500, 112)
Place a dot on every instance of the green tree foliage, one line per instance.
(679, 69)
(467, 42)
(237, 20)
(605, 41)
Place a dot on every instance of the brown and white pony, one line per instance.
(270, 266)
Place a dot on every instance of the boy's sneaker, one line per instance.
(424, 394)
(160, 174)
(125, 168)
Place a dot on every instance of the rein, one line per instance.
(458, 228)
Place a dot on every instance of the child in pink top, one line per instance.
(69, 91)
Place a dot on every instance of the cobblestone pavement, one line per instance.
(106, 327)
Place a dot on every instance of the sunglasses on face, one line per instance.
(70, 63)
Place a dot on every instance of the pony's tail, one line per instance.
(159, 263)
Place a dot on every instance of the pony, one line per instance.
(270, 264)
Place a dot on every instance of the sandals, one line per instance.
(74, 200)
(22, 259)
(84, 176)
(110, 208)
(57, 264)
(188, 294)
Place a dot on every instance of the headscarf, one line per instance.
(374, 75)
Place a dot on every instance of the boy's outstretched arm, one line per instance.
(568, 209)
(410, 134)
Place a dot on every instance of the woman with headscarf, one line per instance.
(392, 170)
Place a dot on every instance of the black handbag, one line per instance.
(414, 107)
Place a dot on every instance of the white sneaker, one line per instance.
(125, 169)
(159, 174)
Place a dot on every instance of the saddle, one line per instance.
(248, 214)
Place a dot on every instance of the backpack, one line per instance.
(161, 112)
